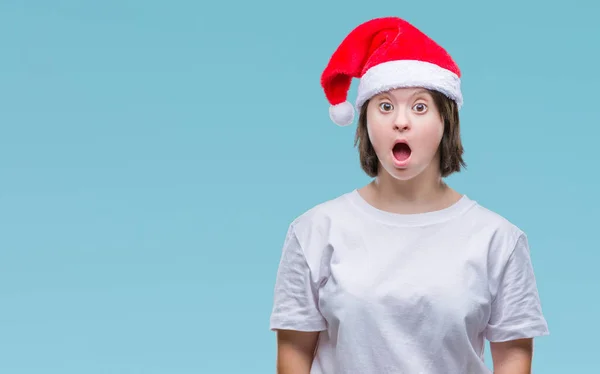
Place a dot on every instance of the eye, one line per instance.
(386, 107)
(420, 108)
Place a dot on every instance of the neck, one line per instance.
(426, 192)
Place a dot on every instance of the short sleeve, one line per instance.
(516, 311)
(295, 305)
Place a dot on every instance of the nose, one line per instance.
(401, 122)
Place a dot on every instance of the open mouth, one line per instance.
(401, 152)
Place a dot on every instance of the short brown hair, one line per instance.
(450, 150)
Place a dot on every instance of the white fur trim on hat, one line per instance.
(408, 73)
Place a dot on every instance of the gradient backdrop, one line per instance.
(153, 153)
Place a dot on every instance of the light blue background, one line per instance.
(153, 153)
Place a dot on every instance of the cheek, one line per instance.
(432, 136)
(376, 136)
(379, 126)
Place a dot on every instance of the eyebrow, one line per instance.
(419, 92)
(388, 96)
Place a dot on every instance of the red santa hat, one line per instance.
(386, 53)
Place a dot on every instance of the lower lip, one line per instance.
(400, 164)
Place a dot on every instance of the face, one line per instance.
(406, 129)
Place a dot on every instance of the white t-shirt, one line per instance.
(405, 293)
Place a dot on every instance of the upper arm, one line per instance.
(304, 342)
(296, 350)
(296, 316)
(513, 356)
(295, 304)
(516, 314)
(516, 311)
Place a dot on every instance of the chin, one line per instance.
(404, 173)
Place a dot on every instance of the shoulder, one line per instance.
(320, 217)
(501, 233)
(313, 227)
(492, 219)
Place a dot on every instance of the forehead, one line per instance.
(404, 93)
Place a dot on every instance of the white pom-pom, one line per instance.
(342, 114)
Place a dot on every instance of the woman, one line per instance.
(405, 274)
